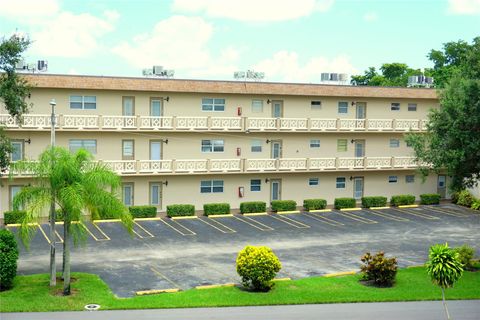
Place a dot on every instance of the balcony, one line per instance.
(239, 124)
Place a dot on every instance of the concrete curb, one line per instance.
(19, 224)
(213, 286)
(106, 220)
(288, 212)
(378, 208)
(409, 206)
(184, 217)
(220, 215)
(351, 209)
(339, 274)
(281, 279)
(156, 291)
(320, 210)
(147, 219)
(255, 214)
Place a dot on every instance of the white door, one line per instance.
(155, 150)
(276, 149)
(156, 109)
(277, 109)
(359, 148)
(358, 187)
(442, 185)
(127, 194)
(361, 110)
(275, 190)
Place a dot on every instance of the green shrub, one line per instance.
(253, 206)
(257, 266)
(143, 211)
(102, 214)
(216, 208)
(465, 198)
(377, 201)
(465, 256)
(342, 203)
(8, 259)
(430, 198)
(402, 200)
(476, 204)
(58, 215)
(284, 205)
(180, 210)
(455, 196)
(314, 204)
(379, 269)
(11, 217)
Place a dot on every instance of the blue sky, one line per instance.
(289, 40)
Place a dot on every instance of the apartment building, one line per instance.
(196, 141)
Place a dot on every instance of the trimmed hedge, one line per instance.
(8, 259)
(253, 207)
(402, 199)
(10, 217)
(314, 204)
(180, 210)
(430, 198)
(342, 203)
(376, 201)
(216, 208)
(143, 211)
(284, 205)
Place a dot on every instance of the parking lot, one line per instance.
(185, 253)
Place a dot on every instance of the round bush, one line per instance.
(257, 266)
(8, 259)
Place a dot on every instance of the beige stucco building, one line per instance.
(193, 141)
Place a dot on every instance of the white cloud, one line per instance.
(370, 16)
(71, 35)
(253, 10)
(466, 7)
(285, 66)
(28, 9)
(178, 42)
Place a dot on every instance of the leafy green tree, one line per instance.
(77, 184)
(452, 140)
(13, 89)
(392, 74)
(444, 268)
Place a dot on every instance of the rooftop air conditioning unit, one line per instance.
(412, 80)
(170, 73)
(325, 76)
(21, 65)
(343, 77)
(428, 80)
(157, 70)
(333, 76)
(42, 65)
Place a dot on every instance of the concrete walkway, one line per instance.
(426, 310)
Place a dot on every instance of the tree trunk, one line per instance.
(53, 266)
(445, 304)
(66, 257)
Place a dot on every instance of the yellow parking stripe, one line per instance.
(290, 221)
(441, 210)
(43, 232)
(254, 214)
(356, 218)
(244, 220)
(211, 225)
(101, 231)
(387, 216)
(320, 210)
(156, 291)
(323, 219)
(420, 215)
(177, 230)
(90, 233)
(145, 230)
(59, 237)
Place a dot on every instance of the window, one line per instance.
(341, 183)
(128, 148)
(83, 102)
(255, 185)
(13, 192)
(256, 146)
(313, 182)
(17, 150)
(155, 193)
(213, 104)
(211, 186)
(392, 179)
(128, 106)
(156, 107)
(343, 107)
(88, 144)
(316, 105)
(395, 106)
(410, 178)
(412, 107)
(314, 143)
(394, 143)
(341, 145)
(212, 145)
(257, 106)
(127, 194)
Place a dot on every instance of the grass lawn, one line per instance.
(32, 293)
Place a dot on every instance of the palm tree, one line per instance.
(77, 184)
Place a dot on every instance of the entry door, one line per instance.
(275, 189)
(442, 185)
(358, 187)
(128, 106)
(155, 150)
(276, 149)
(359, 148)
(156, 108)
(361, 110)
(277, 109)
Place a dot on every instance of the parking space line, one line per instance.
(230, 230)
(387, 216)
(441, 210)
(158, 273)
(44, 234)
(190, 232)
(323, 219)
(355, 217)
(290, 221)
(144, 230)
(263, 228)
(58, 236)
(90, 233)
(101, 231)
(420, 215)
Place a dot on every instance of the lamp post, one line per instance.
(53, 271)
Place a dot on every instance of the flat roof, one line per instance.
(83, 82)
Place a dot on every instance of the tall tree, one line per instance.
(13, 89)
(392, 74)
(77, 184)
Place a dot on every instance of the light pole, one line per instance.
(53, 271)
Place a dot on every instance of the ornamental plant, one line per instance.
(257, 266)
(8, 259)
(379, 269)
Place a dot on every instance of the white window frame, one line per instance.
(339, 184)
(392, 179)
(257, 106)
(342, 107)
(215, 106)
(83, 103)
(315, 143)
(126, 156)
(12, 194)
(338, 145)
(212, 186)
(20, 143)
(215, 146)
(255, 186)
(395, 106)
(313, 182)
(82, 142)
(394, 143)
(256, 145)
